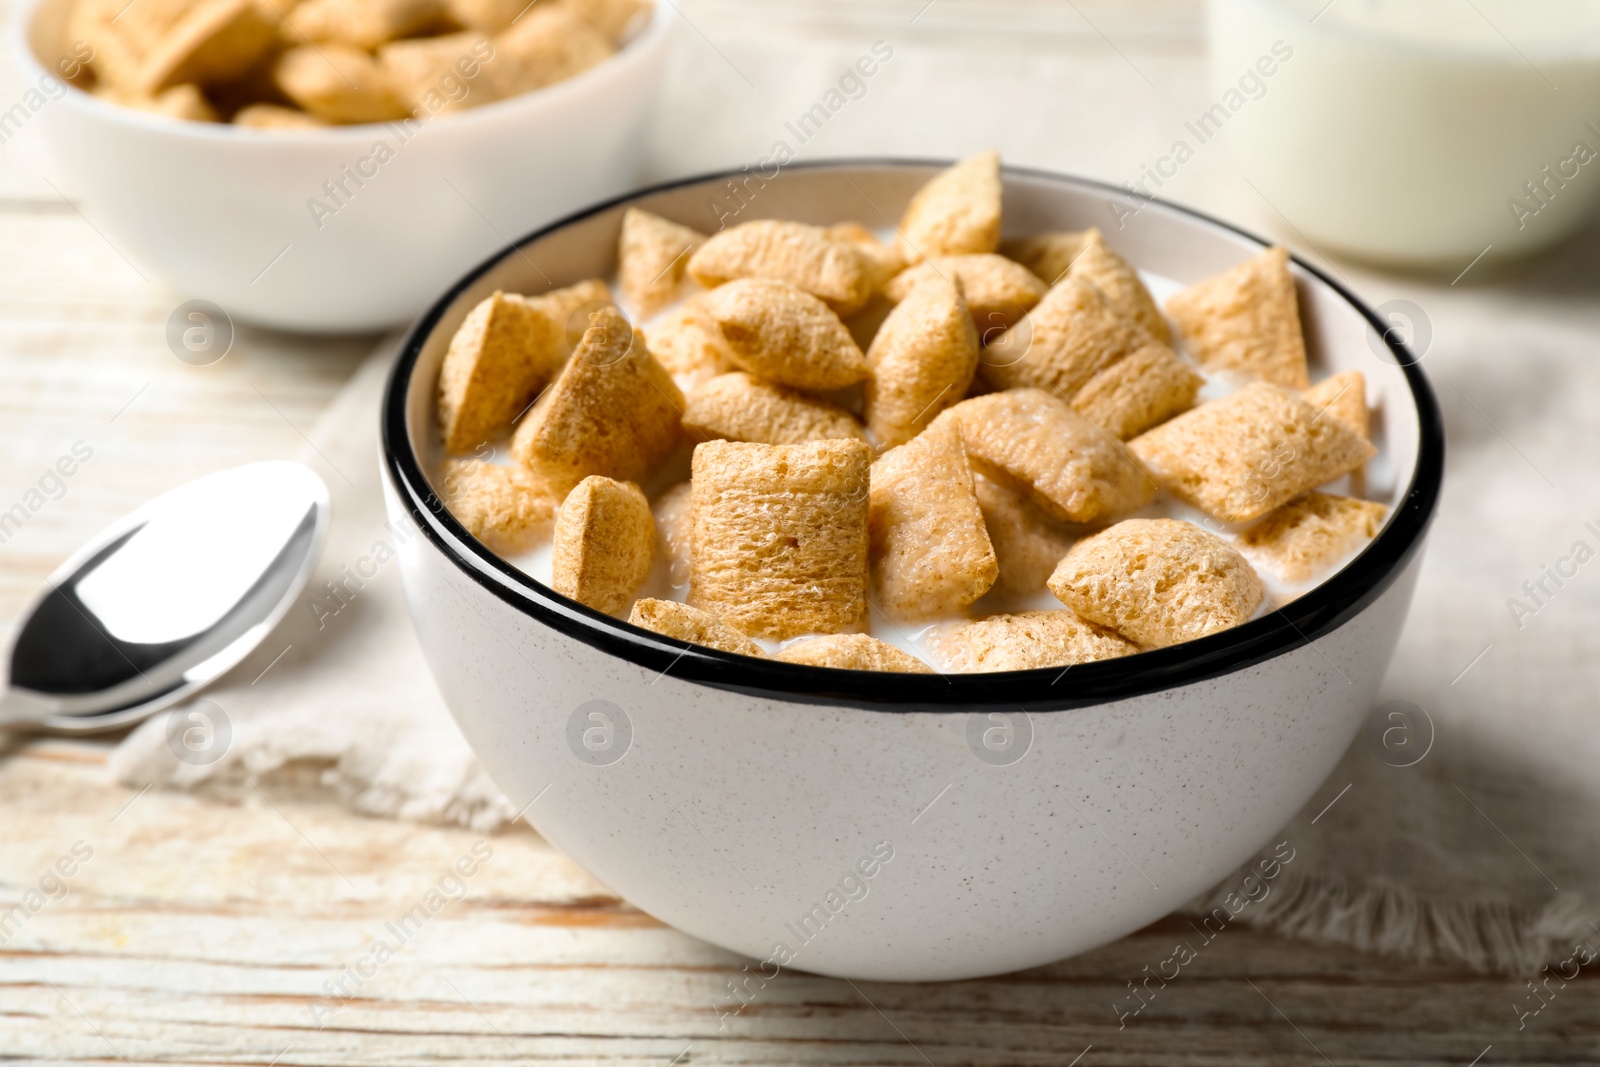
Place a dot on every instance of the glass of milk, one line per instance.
(1419, 133)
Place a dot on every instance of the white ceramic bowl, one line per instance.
(225, 213)
(1027, 815)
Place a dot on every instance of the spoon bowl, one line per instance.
(166, 600)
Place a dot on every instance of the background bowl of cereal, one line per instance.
(331, 165)
(907, 580)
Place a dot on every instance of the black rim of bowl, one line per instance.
(1303, 621)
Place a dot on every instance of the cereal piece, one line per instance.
(804, 256)
(605, 543)
(1306, 536)
(853, 652)
(1144, 389)
(1027, 641)
(652, 257)
(785, 335)
(212, 41)
(689, 343)
(674, 524)
(507, 508)
(780, 536)
(741, 408)
(501, 355)
(672, 619)
(613, 410)
(431, 75)
(109, 33)
(273, 117)
(1246, 319)
(1027, 543)
(544, 46)
(998, 292)
(1344, 396)
(883, 262)
(1030, 440)
(1070, 336)
(362, 23)
(337, 83)
(614, 18)
(955, 213)
(1157, 581)
(1047, 255)
(922, 361)
(1239, 457)
(179, 102)
(1121, 285)
(930, 552)
(563, 305)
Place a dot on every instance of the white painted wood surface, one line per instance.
(209, 930)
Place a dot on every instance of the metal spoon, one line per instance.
(166, 600)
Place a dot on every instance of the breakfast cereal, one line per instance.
(785, 334)
(653, 259)
(1120, 283)
(1157, 581)
(509, 509)
(1071, 335)
(739, 407)
(689, 343)
(1047, 255)
(955, 213)
(672, 619)
(930, 552)
(337, 83)
(604, 544)
(1304, 537)
(364, 24)
(1246, 319)
(1240, 456)
(806, 257)
(1029, 640)
(1027, 542)
(853, 652)
(779, 543)
(501, 355)
(1344, 396)
(921, 361)
(1141, 390)
(998, 291)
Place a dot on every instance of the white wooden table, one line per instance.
(219, 929)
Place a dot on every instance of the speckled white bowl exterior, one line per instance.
(901, 827)
(226, 214)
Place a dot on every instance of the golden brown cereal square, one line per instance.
(1027, 641)
(213, 41)
(882, 260)
(780, 536)
(1030, 440)
(275, 117)
(922, 361)
(509, 509)
(785, 335)
(1246, 319)
(1158, 581)
(741, 408)
(652, 258)
(1239, 457)
(930, 551)
(832, 270)
(179, 102)
(672, 619)
(433, 75)
(605, 542)
(955, 213)
(1047, 255)
(1343, 396)
(362, 24)
(545, 45)
(1070, 336)
(1120, 283)
(853, 652)
(1142, 390)
(998, 291)
(501, 355)
(572, 308)
(613, 410)
(689, 343)
(1304, 538)
(337, 83)
(1027, 542)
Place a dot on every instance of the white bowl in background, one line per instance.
(1007, 819)
(225, 213)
